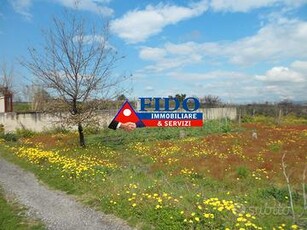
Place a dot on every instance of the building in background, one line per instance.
(6, 100)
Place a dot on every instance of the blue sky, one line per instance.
(239, 50)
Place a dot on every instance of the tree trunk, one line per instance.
(81, 135)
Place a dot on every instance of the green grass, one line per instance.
(12, 217)
(120, 137)
(22, 107)
(147, 166)
(242, 172)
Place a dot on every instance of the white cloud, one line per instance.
(283, 92)
(171, 56)
(280, 93)
(168, 64)
(23, 6)
(285, 82)
(182, 49)
(231, 86)
(149, 53)
(276, 84)
(217, 75)
(149, 88)
(226, 84)
(300, 66)
(281, 74)
(246, 6)
(279, 40)
(282, 39)
(239, 88)
(138, 25)
(239, 5)
(173, 62)
(88, 5)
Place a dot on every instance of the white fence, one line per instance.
(41, 121)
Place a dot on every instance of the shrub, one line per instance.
(92, 129)
(258, 119)
(57, 130)
(23, 132)
(1, 129)
(247, 119)
(292, 119)
(242, 172)
(263, 119)
(280, 194)
(10, 137)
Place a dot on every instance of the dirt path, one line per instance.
(57, 210)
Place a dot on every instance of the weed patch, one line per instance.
(216, 177)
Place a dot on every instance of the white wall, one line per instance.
(2, 104)
(40, 121)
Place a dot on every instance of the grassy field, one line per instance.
(220, 176)
(12, 217)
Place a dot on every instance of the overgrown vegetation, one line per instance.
(218, 176)
(109, 137)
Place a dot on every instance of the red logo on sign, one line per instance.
(127, 114)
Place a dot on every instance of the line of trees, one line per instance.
(285, 107)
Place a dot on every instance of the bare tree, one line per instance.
(285, 106)
(75, 67)
(180, 97)
(211, 101)
(37, 96)
(121, 97)
(40, 99)
(7, 76)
